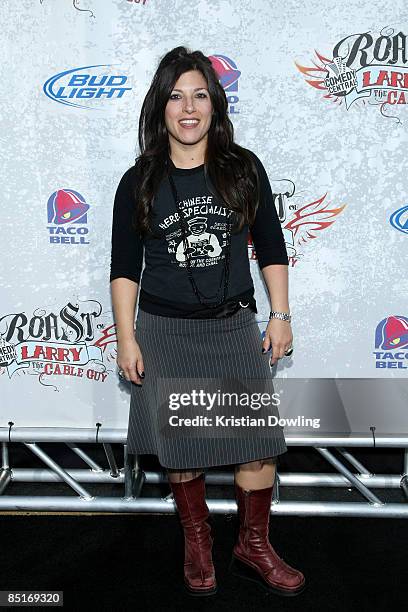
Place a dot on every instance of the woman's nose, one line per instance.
(189, 105)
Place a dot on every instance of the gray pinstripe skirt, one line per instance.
(179, 348)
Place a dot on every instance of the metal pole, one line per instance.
(88, 460)
(355, 463)
(217, 506)
(128, 476)
(373, 499)
(134, 477)
(404, 479)
(5, 478)
(87, 435)
(5, 472)
(4, 455)
(275, 490)
(59, 470)
(111, 460)
(286, 479)
(139, 478)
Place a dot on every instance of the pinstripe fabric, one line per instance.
(197, 348)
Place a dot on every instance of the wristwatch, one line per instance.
(284, 316)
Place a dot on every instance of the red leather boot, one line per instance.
(253, 556)
(199, 574)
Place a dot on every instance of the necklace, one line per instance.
(225, 273)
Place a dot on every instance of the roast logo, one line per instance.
(228, 75)
(78, 341)
(67, 217)
(391, 343)
(372, 69)
(301, 222)
(86, 86)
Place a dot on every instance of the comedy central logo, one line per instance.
(67, 217)
(372, 69)
(81, 87)
(391, 343)
(228, 75)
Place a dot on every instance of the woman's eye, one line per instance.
(174, 96)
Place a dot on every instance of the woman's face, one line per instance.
(189, 99)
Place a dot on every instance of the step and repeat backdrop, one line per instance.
(319, 91)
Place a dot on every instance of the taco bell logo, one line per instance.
(81, 87)
(228, 75)
(399, 219)
(67, 216)
(391, 342)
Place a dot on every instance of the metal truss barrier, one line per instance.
(132, 478)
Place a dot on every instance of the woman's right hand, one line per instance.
(130, 360)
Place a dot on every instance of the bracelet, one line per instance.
(284, 316)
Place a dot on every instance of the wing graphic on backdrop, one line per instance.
(311, 218)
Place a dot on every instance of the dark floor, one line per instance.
(134, 562)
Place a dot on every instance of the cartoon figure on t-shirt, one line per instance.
(200, 242)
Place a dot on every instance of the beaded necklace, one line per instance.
(226, 269)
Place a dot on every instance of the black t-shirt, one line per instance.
(165, 286)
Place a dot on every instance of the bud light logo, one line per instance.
(81, 87)
(391, 338)
(228, 75)
(399, 219)
(67, 211)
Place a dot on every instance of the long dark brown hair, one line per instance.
(230, 168)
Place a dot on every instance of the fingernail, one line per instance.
(142, 374)
(263, 350)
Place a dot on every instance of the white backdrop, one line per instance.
(74, 78)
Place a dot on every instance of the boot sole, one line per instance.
(243, 570)
(197, 593)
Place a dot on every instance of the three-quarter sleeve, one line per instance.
(127, 244)
(266, 231)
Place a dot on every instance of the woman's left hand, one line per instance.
(278, 335)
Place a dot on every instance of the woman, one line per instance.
(187, 204)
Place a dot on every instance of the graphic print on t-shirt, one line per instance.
(200, 242)
(206, 232)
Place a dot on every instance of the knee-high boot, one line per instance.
(199, 574)
(253, 556)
